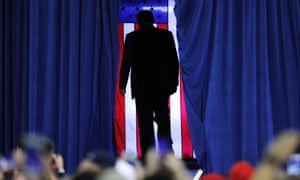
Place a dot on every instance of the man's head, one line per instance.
(145, 17)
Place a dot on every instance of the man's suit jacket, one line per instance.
(151, 56)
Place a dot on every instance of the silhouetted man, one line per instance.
(151, 56)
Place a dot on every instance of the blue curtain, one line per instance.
(240, 63)
(58, 72)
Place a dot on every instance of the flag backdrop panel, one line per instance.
(126, 118)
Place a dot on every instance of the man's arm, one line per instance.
(126, 64)
(173, 64)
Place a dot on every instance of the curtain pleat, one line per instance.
(58, 74)
(240, 63)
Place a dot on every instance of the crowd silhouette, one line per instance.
(34, 158)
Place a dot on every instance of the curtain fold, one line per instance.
(58, 74)
(241, 76)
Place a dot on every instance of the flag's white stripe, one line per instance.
(130, 112)
(175, 99)
(154, 123)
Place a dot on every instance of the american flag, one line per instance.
(126, 127)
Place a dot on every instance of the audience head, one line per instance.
(161, 174)
(86, 175)
(110, 174)
(97, 161)
(33, 144)
(36, 143)
(33, 156)
(241, 170)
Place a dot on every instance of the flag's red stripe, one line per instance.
(120, 101)
(162, 26)
(138, 145)
(187, 148)
(136, 26)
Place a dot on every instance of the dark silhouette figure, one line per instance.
(150, 55)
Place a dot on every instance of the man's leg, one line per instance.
(162, 116)
(145, 120)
